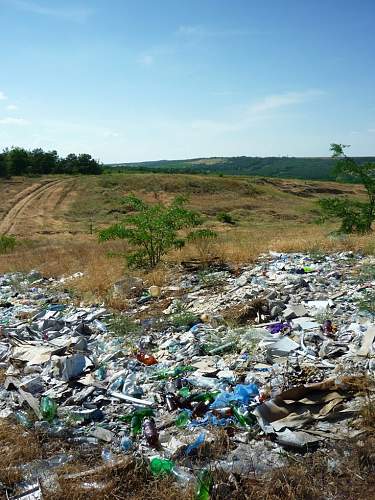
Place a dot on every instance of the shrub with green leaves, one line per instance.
(356, 216)
(225, 217)
(7, 243)
(152, 229)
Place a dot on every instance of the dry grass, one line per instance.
(64, 257)
(343, 470)
(17, 446)
(129, 479)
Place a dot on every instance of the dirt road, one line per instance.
(36, 209)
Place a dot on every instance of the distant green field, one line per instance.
(282, 167)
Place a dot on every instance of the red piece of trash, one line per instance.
(146, 359)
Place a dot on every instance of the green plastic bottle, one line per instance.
(135, 426)
(184, 392)
(244, 420)
(176, 372)
(136, 418)
(179, 370)
(48, 408)
(205, 396)
(183, 419)
(161, 466)
(204, 485)
(142, 413)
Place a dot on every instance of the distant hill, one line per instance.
(282, 167)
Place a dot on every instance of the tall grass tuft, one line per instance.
(7, 243)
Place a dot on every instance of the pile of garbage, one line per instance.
(272, 354)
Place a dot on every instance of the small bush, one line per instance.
(225, 217)
(152, 229)
(7, 243)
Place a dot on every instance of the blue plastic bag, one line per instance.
(197, 443)
(243, 393)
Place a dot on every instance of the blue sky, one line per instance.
(132, 80)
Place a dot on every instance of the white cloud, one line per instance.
(73, 13)
(276, 101)
(13, 121)
(12, 107)
(2, 96)
(246, 116)
(371, 130)
(146, 60)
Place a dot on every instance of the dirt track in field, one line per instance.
(38, 209)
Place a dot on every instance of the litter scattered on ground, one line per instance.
(269, 354)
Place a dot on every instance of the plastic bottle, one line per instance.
(244, 420)
(150, 432)
(100, 373)
(135, 425)
(48, 408)
(160, 466)
(207, 397)
(184, 392)
(23, 419)
(171, 401)
(183, 418)
(107, 456)
(182, 476)
(176, 372)
(204, 485)
(141, 413)
(126, 444)
(116, 384)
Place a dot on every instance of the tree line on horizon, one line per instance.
(19, 161)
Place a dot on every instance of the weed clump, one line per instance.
(182, 317)
(123, 327)
(226, 218)
(7, 243)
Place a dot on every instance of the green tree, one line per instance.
(356, 216)
(153, 229)
(69, 165)
(17, 161)
(3, 165)
(43, 162)
(88, 166)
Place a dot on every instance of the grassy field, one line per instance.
(55, 220)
